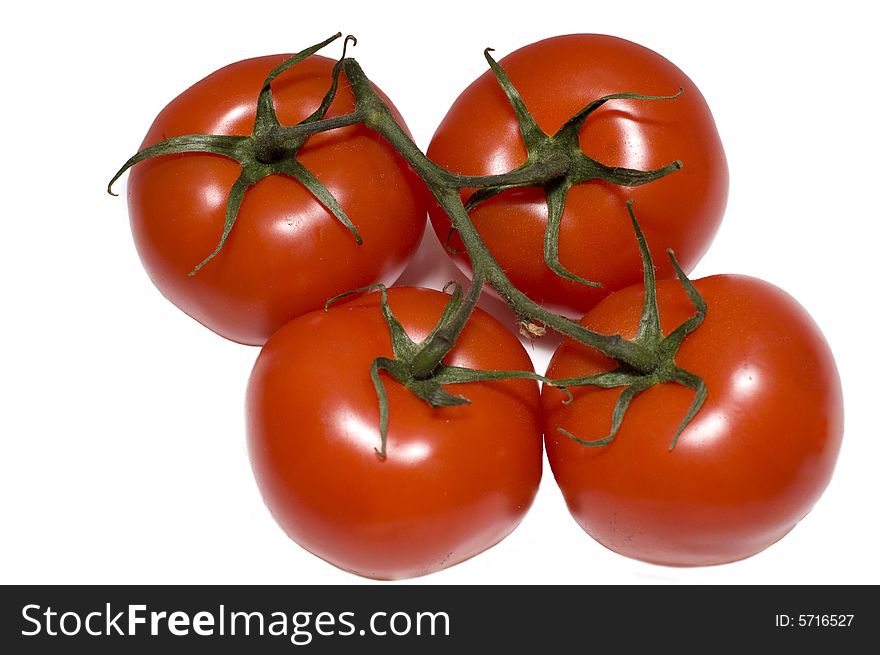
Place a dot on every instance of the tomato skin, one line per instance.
(286, 254)
(556, 78)
(750, 465)
(455, 481)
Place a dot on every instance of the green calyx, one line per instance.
(650, 336)
(271, 149)
(562, 151)
(409, 357)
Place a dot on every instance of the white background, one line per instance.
(123, 455)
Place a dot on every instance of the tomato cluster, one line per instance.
(399, 432)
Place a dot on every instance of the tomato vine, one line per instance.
(555, 163)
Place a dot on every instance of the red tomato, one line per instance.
(748, 467)
(286, 254)
(556, 78)
(456, 480)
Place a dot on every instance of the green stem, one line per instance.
(532, 173)
(435, 348)
(554, 163)
(280, 142)
(380, 119)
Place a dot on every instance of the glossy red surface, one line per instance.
(455, 481)
(286, 254)
(556, 78)
(751, 464)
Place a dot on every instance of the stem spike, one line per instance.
(532, 135)
(555, 206)
(688, 379)
(233, 203)
(620, 409)
(305, 177)
(380, 363)
(649, 325)
(576, 122)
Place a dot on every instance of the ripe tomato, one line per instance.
(286, 254)
(455, 481)
(748, 467)
(556, 78)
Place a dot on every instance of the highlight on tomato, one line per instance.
(636, 127)
(747, 467)
(298, 221)
(449, 483)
